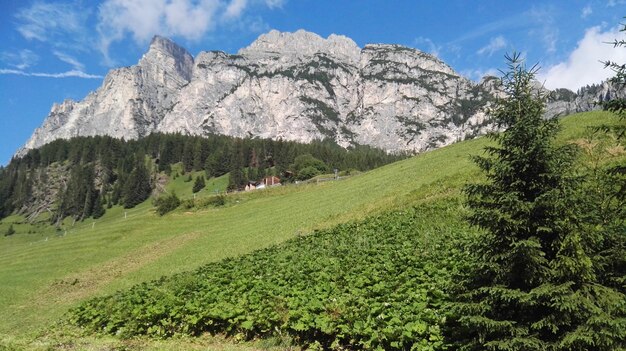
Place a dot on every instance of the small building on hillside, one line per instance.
(265, 183)
(251, 186)
(271, 181)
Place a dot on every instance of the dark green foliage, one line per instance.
(532, 284)
(137, 188)
(199, 184)
(188, 156)
(610, 190)
(306, 166)
(615, 105)
(98, 207)
(10, 231)
(79, 196)
(375, 284)
(167, 203)
(113, 161)
(237, 179)
(307, 173)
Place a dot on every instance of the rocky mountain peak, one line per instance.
(169, 55)
(294, 86)
(302, 43)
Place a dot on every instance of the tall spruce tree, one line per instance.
(137, 188)
(199, 184)
(533, 284)
(613, 187)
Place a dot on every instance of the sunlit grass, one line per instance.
(45, 271)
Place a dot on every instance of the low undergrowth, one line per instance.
(372, 284)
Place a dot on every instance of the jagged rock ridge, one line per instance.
(294, 86)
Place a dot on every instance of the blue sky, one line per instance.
(54, 50)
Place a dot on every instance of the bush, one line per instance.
(165, 204)
(10, 231)
(215, 201)
(307, 173)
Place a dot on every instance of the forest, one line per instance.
(83, 176)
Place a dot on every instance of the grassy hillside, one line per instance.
(45, 272)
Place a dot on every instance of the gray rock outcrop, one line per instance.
(294, 86)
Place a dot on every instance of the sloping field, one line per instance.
(44, 272)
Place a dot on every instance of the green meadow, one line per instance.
(45, 271)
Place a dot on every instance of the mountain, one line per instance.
(291, 86)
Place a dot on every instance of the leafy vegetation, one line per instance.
(45, 271)
(378, 283)
(166, 203)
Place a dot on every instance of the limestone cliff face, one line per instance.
(131, 102)
(294, 86)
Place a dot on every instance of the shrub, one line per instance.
(165, 204)
(307, 173)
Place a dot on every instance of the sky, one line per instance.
(52, 50)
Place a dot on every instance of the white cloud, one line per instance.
(272, 4)
(59, 23)
(71, 73)
(583, 66)
(613, 3)
(494, 45)
(69, 60)
(587, 10)
(431, 47)
(142, 19)
(20, 60)
(235, 8)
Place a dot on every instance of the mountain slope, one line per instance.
(45, 272)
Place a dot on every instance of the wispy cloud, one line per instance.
(494, 45)
(235, 8)
(545, 27)
(59, 23)
(20, 60)
(613, 3)
(429, 45)
(583, 65)
(272, 4)
(71, 73)
(69, 60)
(586, 11)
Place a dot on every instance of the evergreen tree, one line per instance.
(137, 188)
(10, 231)
(612, 188)
(199, 156)
(98, 207)
(237, 177)
(532, 284)
(188, 156)
(199, 184)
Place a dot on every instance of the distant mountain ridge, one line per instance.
(292, 86)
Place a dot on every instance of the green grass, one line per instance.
(46, 272)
